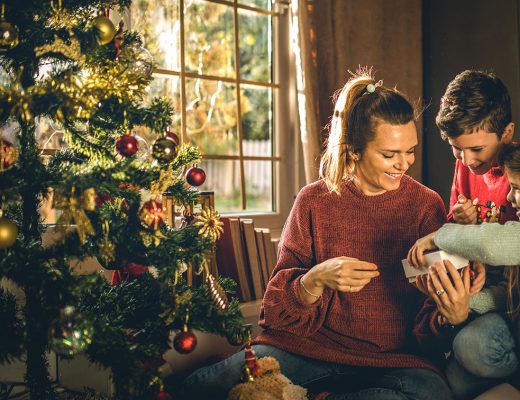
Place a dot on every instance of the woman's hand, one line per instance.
(450, 291)
(416, 253)
(345, 274)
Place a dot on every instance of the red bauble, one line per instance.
(152, 214)
(8, 154)
(185, 341)
(172, 136)
(195, 176)
(162, 395)
(127, 145)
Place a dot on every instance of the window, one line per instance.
(225, 66)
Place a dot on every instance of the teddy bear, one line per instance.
(271, 384)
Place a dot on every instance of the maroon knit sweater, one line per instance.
(384, 323)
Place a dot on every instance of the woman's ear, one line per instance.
(509, 132)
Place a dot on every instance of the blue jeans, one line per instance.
(483, 354)
(215, 381)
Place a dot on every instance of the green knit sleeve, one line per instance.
(490, 243)
(492, 298)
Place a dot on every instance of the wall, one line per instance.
(458, 35)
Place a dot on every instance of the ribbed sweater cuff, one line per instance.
(295, 301)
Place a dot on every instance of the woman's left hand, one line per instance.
(450, 291)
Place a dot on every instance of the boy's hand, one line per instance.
(416, 253)
(465, 211)
(478, 274)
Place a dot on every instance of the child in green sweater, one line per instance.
(485, 351)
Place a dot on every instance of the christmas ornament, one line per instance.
(155, 238)
(236, 339)
(8, 33)
(72, 214)
(210, 224)
(137, 60)
(172, 136)
(218, 294)
(152, 214)
(71, 333)
(162, 395)
(164, 150)
(119, 38)
(88, 199)
(8, 154)
(8, 232)
(127, 145)
(195, 176)
(107, 248)
(105, 29)
(251, 367)
(185, 341)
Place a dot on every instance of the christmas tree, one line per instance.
(65, 61)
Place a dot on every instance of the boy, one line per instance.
(475, 118)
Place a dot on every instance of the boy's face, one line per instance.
(478, 150)
(514, 194)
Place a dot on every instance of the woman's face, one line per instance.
(386, 158)
(514, 194)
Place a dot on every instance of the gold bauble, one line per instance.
(8, 233)
(8, 36)
(106, 29)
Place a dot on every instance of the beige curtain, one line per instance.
(307, 85)
(339, 35)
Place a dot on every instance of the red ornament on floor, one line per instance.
(127, 145)
(185, 341)
(195, 176)
(162, 395)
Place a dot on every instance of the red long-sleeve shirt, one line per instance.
(374, 327)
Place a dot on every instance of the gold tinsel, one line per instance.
(71, 51)
(210, 224)
(165, 180)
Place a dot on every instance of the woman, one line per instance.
(338, 310)
(485, 351)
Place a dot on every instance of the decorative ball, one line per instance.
(8, 154)
(8, 233)
(105, 29)
(137, 59)
(152, 214)
(162, 395)
(195, 176)
(71, 333)
(127, 145)
(164, 150)
(172, 136)
(185, 341)
(8, 36)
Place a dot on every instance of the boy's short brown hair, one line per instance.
(474, 100)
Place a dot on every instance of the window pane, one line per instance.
(158, 23)
(255, 46)
(257, 120)
(265, 4)
(223, 178)
(259, 185)
(209, 38)
(211, 113)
